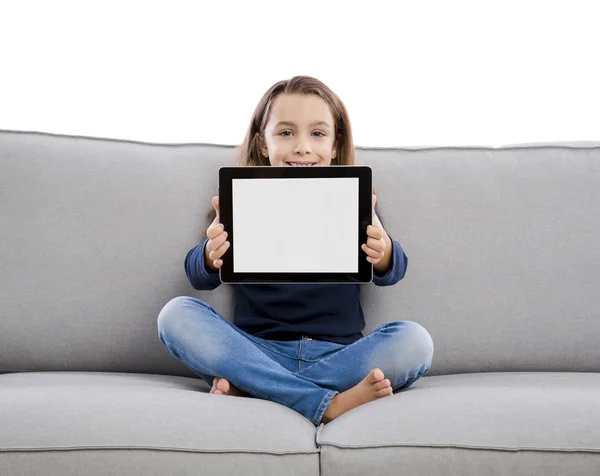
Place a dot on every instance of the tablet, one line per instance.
(295, 224)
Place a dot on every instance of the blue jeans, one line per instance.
(303, 374)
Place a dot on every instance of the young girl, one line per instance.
(299, 345)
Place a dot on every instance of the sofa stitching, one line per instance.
(451, 445)
(412, 149)
(157, 448)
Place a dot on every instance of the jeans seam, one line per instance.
(322, 407)
(266, 346)
(205, 371)
(335, 354)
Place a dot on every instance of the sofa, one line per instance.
(503, 247)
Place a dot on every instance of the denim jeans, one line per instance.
(302, 374)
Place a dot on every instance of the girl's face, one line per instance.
(300, 131)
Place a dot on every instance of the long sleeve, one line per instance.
(195, 269)
(397, 270)
(398, 266)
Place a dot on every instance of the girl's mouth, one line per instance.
(301, 164)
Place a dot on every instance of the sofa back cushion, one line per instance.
(503, 251)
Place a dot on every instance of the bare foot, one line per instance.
(372, 387)
(221, 386)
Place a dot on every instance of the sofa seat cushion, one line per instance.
(57, 423)
(521, 423)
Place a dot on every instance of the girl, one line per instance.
(299, 345)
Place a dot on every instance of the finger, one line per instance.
(220, 251)
(377, 245)
(214, 230)
(215, 204)
(376, 222)
(375, 232)
(373, 260)
(371, 252)
(374, 202)
(216, 242)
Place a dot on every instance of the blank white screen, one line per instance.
(307, 225)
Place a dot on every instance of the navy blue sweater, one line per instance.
(330, 312)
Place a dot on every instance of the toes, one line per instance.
(223, 385)
(381, 385)
(376, 375)
(385, 392)
(218, 392)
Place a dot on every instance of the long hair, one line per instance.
(249, 153)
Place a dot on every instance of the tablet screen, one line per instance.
(300, 225)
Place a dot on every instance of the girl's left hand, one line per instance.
(376, 242)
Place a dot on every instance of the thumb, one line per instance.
(215, 204)
(375, 221)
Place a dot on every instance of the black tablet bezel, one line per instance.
(362, 172)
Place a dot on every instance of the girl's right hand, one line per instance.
(217, 244)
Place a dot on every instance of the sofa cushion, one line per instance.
(94, 234)
(503, 251)
(517, 424)
(55, 423)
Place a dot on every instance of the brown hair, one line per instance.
(249, 152)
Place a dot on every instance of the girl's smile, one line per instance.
(301, 164)
(299, 132)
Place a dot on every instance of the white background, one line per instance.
(410, 73)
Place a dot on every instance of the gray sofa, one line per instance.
(504, 266)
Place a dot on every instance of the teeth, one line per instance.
(302, 165)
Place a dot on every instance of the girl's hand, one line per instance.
(217, 244)
(377, 240)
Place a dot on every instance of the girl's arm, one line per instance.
(195, 269)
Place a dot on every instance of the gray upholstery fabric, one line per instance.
(94, 235)
(504, 255)
(55, 423)
(503, 248)
(529, 423)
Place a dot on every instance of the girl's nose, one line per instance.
(302, 147)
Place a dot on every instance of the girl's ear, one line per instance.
(261, 145)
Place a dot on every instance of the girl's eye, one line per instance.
(286, 132)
